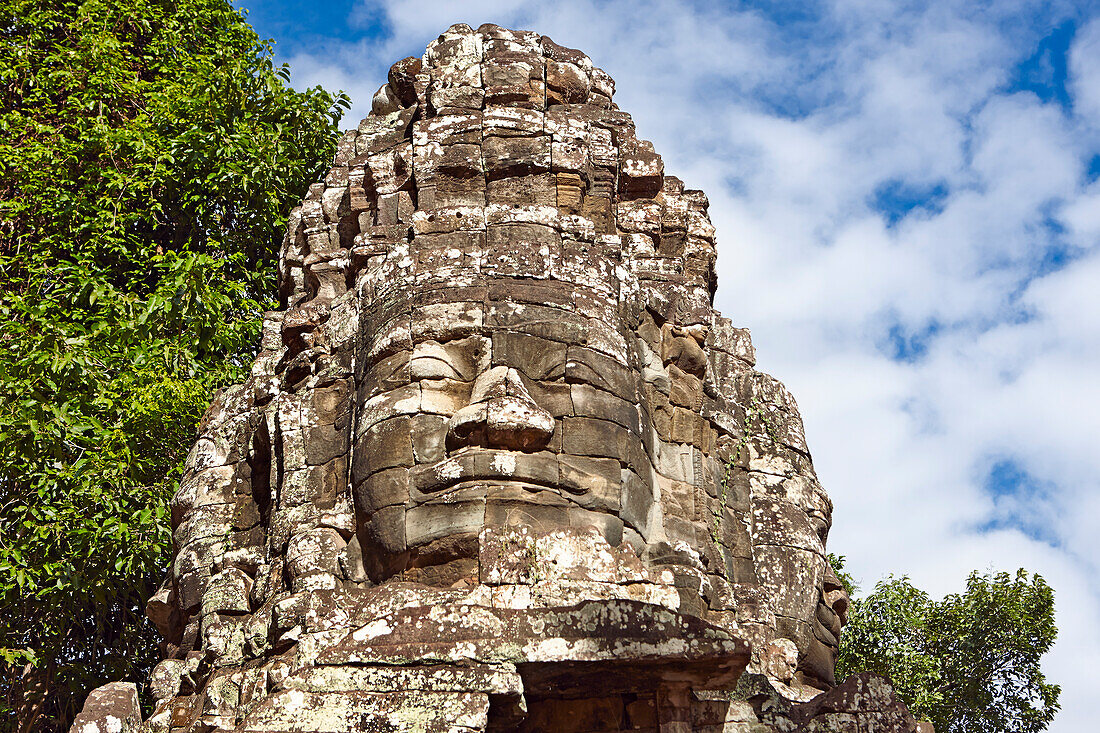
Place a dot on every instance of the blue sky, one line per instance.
(908, 211)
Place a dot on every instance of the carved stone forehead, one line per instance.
(450, 321)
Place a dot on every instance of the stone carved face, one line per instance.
(491, 407)
(499, 312)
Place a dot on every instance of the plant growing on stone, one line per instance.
(150, 151)
(754, 413)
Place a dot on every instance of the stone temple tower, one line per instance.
(499, 464)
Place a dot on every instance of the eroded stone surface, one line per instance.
(499, 463)
(112, 708)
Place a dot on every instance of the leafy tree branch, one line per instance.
(149, 153)
(970, 663)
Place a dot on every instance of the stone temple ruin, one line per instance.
(499, 464)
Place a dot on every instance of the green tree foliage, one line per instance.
(837, 563)
(970, 662)
(149, 152)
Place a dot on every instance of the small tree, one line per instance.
(149, 154)
(968, 663)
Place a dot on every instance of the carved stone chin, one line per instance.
(499, 465)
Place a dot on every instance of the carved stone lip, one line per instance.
(498, 491)
(485, 465)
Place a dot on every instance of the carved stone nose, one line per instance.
(501, 414)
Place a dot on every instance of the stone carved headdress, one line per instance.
(499, 462)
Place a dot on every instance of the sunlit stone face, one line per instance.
(506, 399)
(498, 383)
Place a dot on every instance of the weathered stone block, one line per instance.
(227, 592)
(595, 482)
(314, 550)
(428, 522)
(536, 357)
(381, 489)
(112, 708)
(384, 445)
(591, 402)
(586, 366)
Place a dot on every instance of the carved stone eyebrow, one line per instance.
(536, 357)
(461, 359)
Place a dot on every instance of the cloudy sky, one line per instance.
(907, 197)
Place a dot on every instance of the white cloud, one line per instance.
(1084, 62)
(791, 133)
